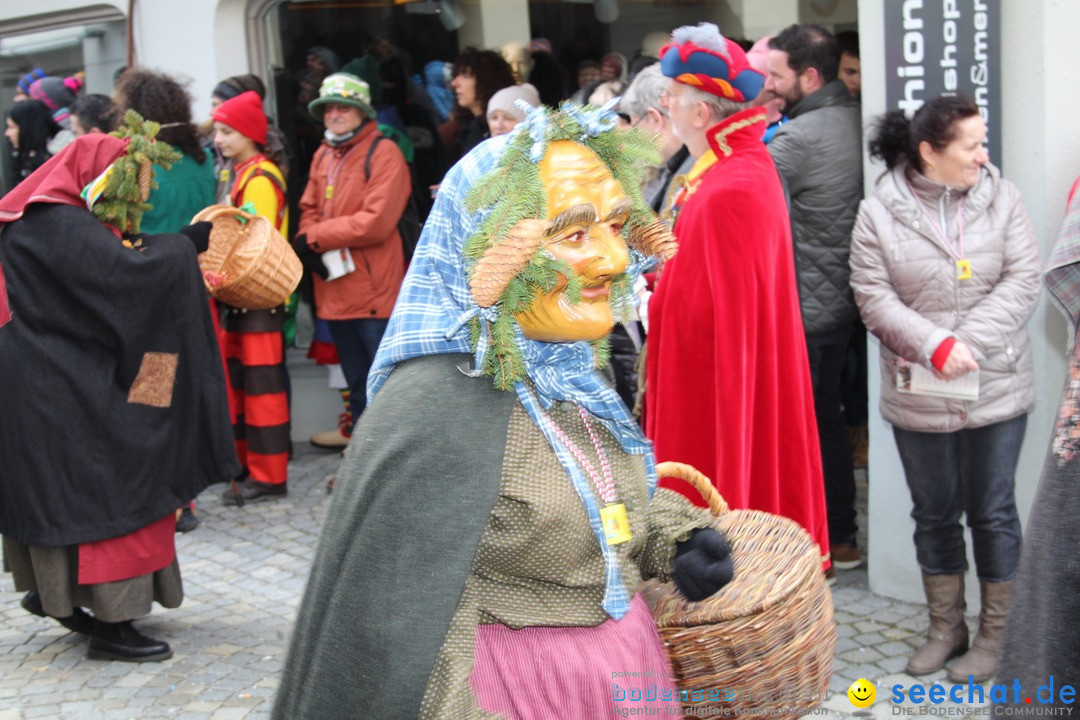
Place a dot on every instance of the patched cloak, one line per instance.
(728, 381)
(113, 390)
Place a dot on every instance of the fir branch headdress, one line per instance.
(118, 196)
(506, 267)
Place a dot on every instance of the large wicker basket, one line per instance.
(764, 643)
(248, 264)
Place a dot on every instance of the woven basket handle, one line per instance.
(213, 212)
(717, 505)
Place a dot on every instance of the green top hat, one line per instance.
(342, 89)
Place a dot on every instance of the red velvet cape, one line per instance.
(728, 379)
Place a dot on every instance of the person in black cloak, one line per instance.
(106, 342)
(1040, 646)
(497, 507)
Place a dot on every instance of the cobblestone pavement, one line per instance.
(244, 572)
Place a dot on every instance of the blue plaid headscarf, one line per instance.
(431, 317)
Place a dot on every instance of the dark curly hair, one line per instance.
(492, 73)
(159, 97)
(896, 138)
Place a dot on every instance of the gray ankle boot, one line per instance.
(981, 660)
(948, 635)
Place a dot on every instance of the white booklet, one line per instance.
(338, 263)
(917, 380)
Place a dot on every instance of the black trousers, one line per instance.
(828, 353)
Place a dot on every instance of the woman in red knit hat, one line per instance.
(254, 347)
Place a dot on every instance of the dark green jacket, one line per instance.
(183, 190)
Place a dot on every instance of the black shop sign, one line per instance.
(945, 47)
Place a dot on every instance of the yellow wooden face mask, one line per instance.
(587, 208)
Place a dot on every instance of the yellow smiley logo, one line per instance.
(862, 693)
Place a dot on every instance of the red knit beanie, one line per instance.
(244, 113)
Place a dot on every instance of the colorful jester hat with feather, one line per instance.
(703, 58)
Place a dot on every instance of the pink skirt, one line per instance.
(538, 673)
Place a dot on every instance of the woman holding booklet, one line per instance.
(945, 270)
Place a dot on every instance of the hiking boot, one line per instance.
(335, 439)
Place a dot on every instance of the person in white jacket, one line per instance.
(945, 270)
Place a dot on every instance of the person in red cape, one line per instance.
(114, 403)
(728, 382)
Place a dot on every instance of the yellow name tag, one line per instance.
(223, 176)
(963, 269)
(329, 191)
(616, 523)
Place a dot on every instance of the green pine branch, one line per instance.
(121, 203)
(601, 352)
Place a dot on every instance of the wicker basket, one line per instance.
(764, 643)
(248, 264)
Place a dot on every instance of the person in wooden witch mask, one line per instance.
(497, 491)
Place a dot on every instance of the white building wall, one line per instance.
(1042, 156)
(179, 38)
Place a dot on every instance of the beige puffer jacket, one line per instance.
(904, 279)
